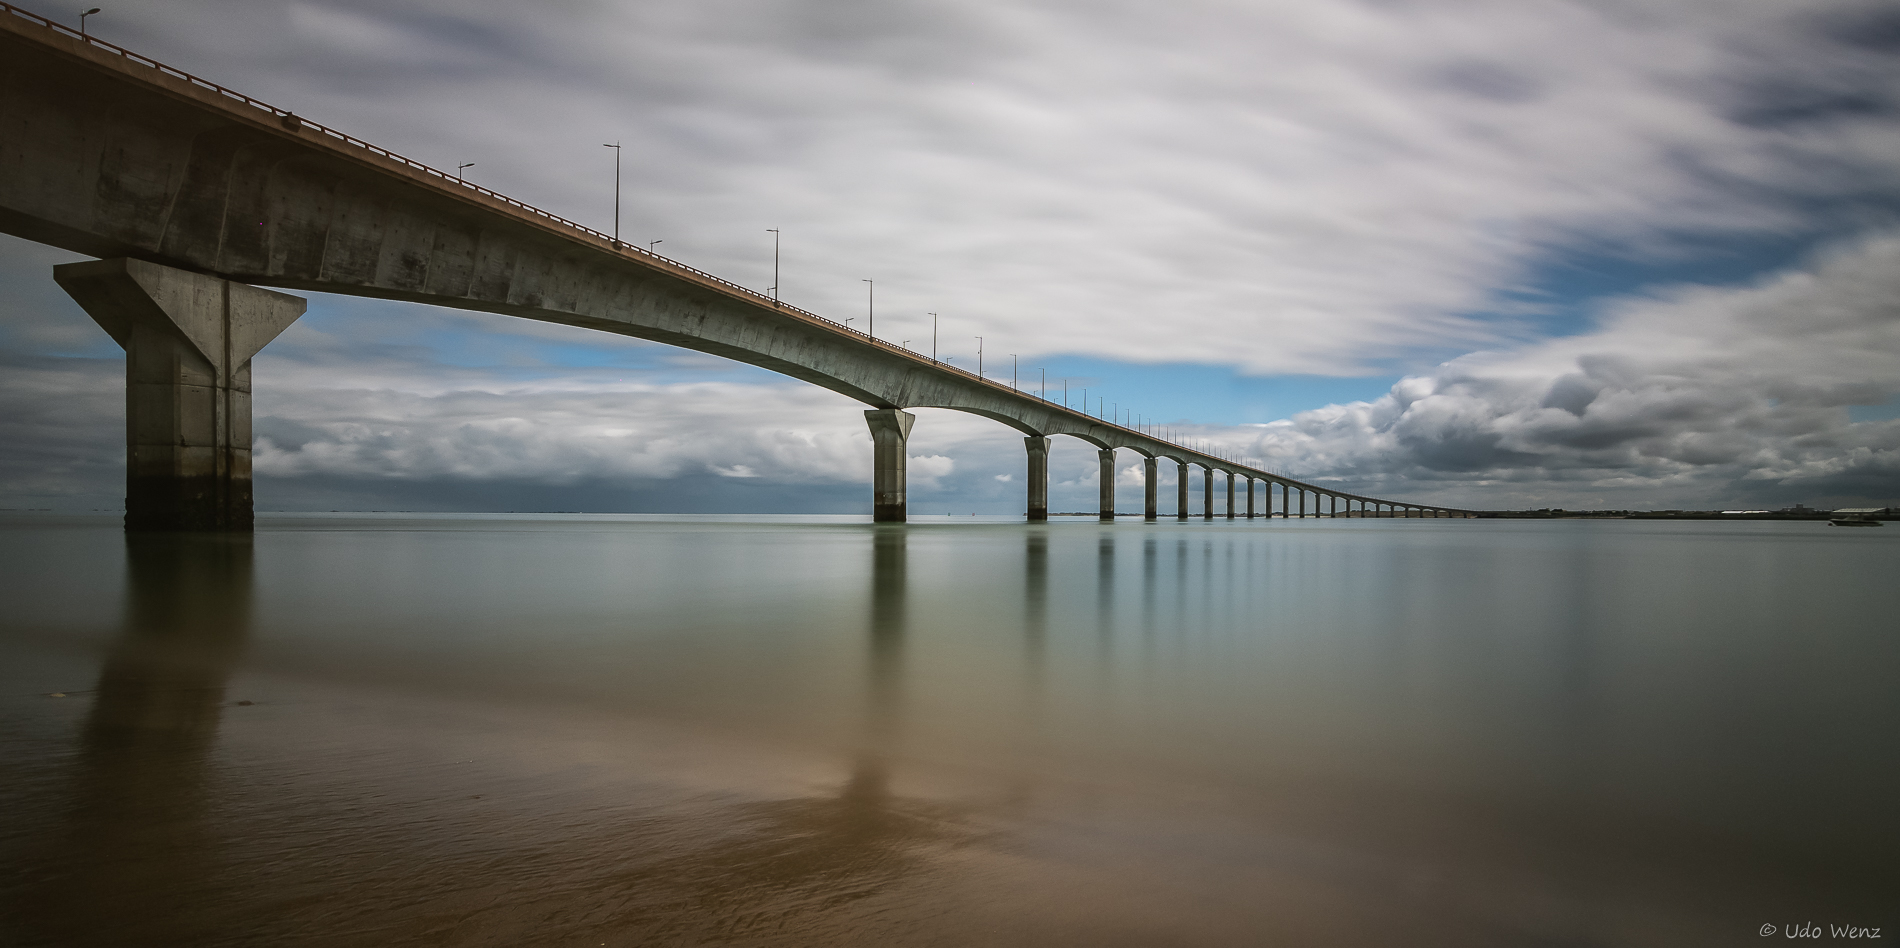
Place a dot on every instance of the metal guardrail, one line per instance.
(296, 122)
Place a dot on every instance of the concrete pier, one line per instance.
(1207, 495)
(1038, 477)
(1108, 483)
(1181, 493)
(188, 341)
(1230, 495)
(1150, 489)
(890, 433)
(1249, 498)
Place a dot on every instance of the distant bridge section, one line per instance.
(193, 196)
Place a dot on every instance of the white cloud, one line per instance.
(1692, 395)
(1284, 187)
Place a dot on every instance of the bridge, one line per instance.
(195, 197)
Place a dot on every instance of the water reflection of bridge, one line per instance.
(196, 195)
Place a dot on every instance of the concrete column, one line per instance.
(1150, 489)
(890, 432)
(1108, 483)
(1181, 493)
(1230, 495)
(1286, 509)
(1249, 498)
(188, 341)
(1038, 477)
(1207, 495)
(1332, 506)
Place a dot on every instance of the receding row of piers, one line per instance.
(890, 429)
(189, 339)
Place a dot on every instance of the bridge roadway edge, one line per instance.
(177, 173)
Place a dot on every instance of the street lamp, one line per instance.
(1012, 370)
(82, 19)
(654, 243)
(616, 147)
(774, 232)
(464, 166)
(933, 337)
(870, 307)
(979, 357)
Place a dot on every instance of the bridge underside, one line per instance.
(112, 158)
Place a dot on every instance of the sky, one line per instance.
(1524, 253)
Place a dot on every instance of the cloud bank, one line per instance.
(1689, 396)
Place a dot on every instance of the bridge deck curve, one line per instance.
(111, 154)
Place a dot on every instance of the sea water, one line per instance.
(644, 730)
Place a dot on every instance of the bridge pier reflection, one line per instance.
(135, 845)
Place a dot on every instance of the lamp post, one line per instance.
(870, 307)
(1042, 387)
(933, 337)
(464, 166)
(82, 19)
(1012, 370)
(979, 357)
(616, 147)
(774, 232)
(652, 244)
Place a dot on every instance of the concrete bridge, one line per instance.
(194, 196)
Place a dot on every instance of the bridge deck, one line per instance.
(115, 154)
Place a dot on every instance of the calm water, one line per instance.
(650, 731)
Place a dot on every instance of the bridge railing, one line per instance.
(296, 122)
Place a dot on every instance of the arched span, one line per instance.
(112, 157)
